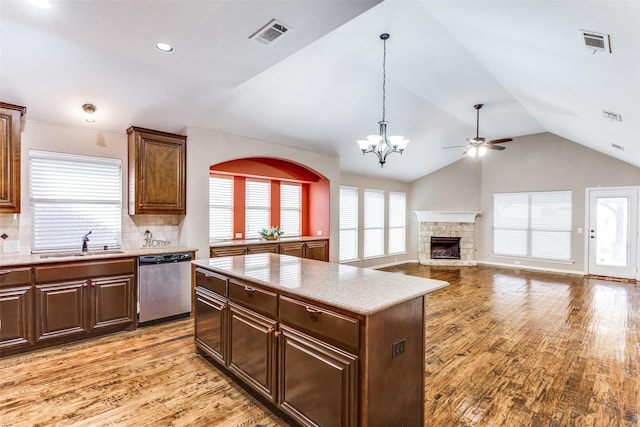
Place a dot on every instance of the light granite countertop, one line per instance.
(359, 290)
(45, 258)
(227, 243)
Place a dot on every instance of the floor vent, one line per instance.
(597, 42)
(270, 32)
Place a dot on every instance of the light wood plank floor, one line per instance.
(504, 348)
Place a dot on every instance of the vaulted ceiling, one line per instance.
(319, 86)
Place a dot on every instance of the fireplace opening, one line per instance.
(445, 247)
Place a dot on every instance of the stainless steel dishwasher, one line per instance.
(164, 287)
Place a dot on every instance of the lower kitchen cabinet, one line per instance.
(317, 249)
(15, 317)
(252, 349)
(54, 303)
(310, 248)
(211, 323)
(318, 382)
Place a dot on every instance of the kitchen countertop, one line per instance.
(360, 290)
(227, 243)
(50, 257)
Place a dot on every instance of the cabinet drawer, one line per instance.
(15, 276)
(80, 270)
(260, 300)
(212, 281)
(320, 322)
(230, 251)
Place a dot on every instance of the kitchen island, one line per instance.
(327, 344)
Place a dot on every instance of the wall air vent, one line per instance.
(269, 32)
(617, 147)
(596, 42)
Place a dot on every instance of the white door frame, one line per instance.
(631, 270)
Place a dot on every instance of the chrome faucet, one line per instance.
(85, 239)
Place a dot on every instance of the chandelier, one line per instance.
(381, 145)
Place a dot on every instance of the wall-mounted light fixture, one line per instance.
(89, 110)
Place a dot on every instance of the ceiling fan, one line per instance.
(478, 146)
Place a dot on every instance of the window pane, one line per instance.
(348, 223)
(373, 223)
(220, 208)
(257, 207)
(290, 208)
(397, 222)
(533, 225)
(71, 195)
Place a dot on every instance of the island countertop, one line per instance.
(359, 290)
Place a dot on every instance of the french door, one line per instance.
(612, 233)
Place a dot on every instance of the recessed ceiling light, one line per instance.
(165, 47)
(89, 110)
(42, 4)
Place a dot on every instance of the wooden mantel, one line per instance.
(446, 216)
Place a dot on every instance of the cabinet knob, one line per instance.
(277, 334)
(223, 307)
(93, 284)
(313, 313)
(271, 329)
(4, 272)
(140, 205)
(85, 284)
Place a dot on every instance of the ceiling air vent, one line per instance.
(597, 42)
(269, 32)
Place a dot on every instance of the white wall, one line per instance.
(206, 147)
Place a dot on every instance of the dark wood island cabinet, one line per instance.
(326, 344)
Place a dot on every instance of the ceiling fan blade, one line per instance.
(454, 146)
(499, 141)
(495, 147)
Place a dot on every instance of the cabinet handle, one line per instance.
(313, 313)
(249, 290)
(4, 272)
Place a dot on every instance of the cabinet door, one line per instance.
(111, 302)
(10, 157)
(252, 349)
(159, 159)
(15, 317)
(60, 310)
(292, 249)
(318, 250)
(318, 382)
(210, 324)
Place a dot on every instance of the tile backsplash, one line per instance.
(17, 227)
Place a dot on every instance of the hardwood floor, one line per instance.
(504, 348)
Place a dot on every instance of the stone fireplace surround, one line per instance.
(446, 224)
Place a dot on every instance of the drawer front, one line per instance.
(261, 249)
(212, 281)
(262, 301)
(229, 251)
(15, 276)
(80, 270)
(320, 322)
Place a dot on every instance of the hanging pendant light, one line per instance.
(380, 144)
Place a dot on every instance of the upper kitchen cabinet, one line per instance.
(10, 116)
(157, 172)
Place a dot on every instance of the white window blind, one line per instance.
(257, 207)
(220, 208)
(348, 223)
(72, 195)
(373, 223)
(290, 208)
(533, 225)
(397, 222)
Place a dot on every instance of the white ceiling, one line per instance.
(319, 87)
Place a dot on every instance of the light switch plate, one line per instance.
(238, 235)
(319, 232)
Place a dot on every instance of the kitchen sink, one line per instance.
(79, 254)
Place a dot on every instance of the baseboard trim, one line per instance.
(530, 267)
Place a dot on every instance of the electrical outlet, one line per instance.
(238, 235)
(319, 232)
(398, 348)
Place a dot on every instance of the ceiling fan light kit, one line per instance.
(478, 145)
(381, 145)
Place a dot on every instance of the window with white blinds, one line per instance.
(72, 195)
(257, 207)
(290, 208)
(397, 222)
(220, 208)
(373, 223)
(533, 225)
(348, 223)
